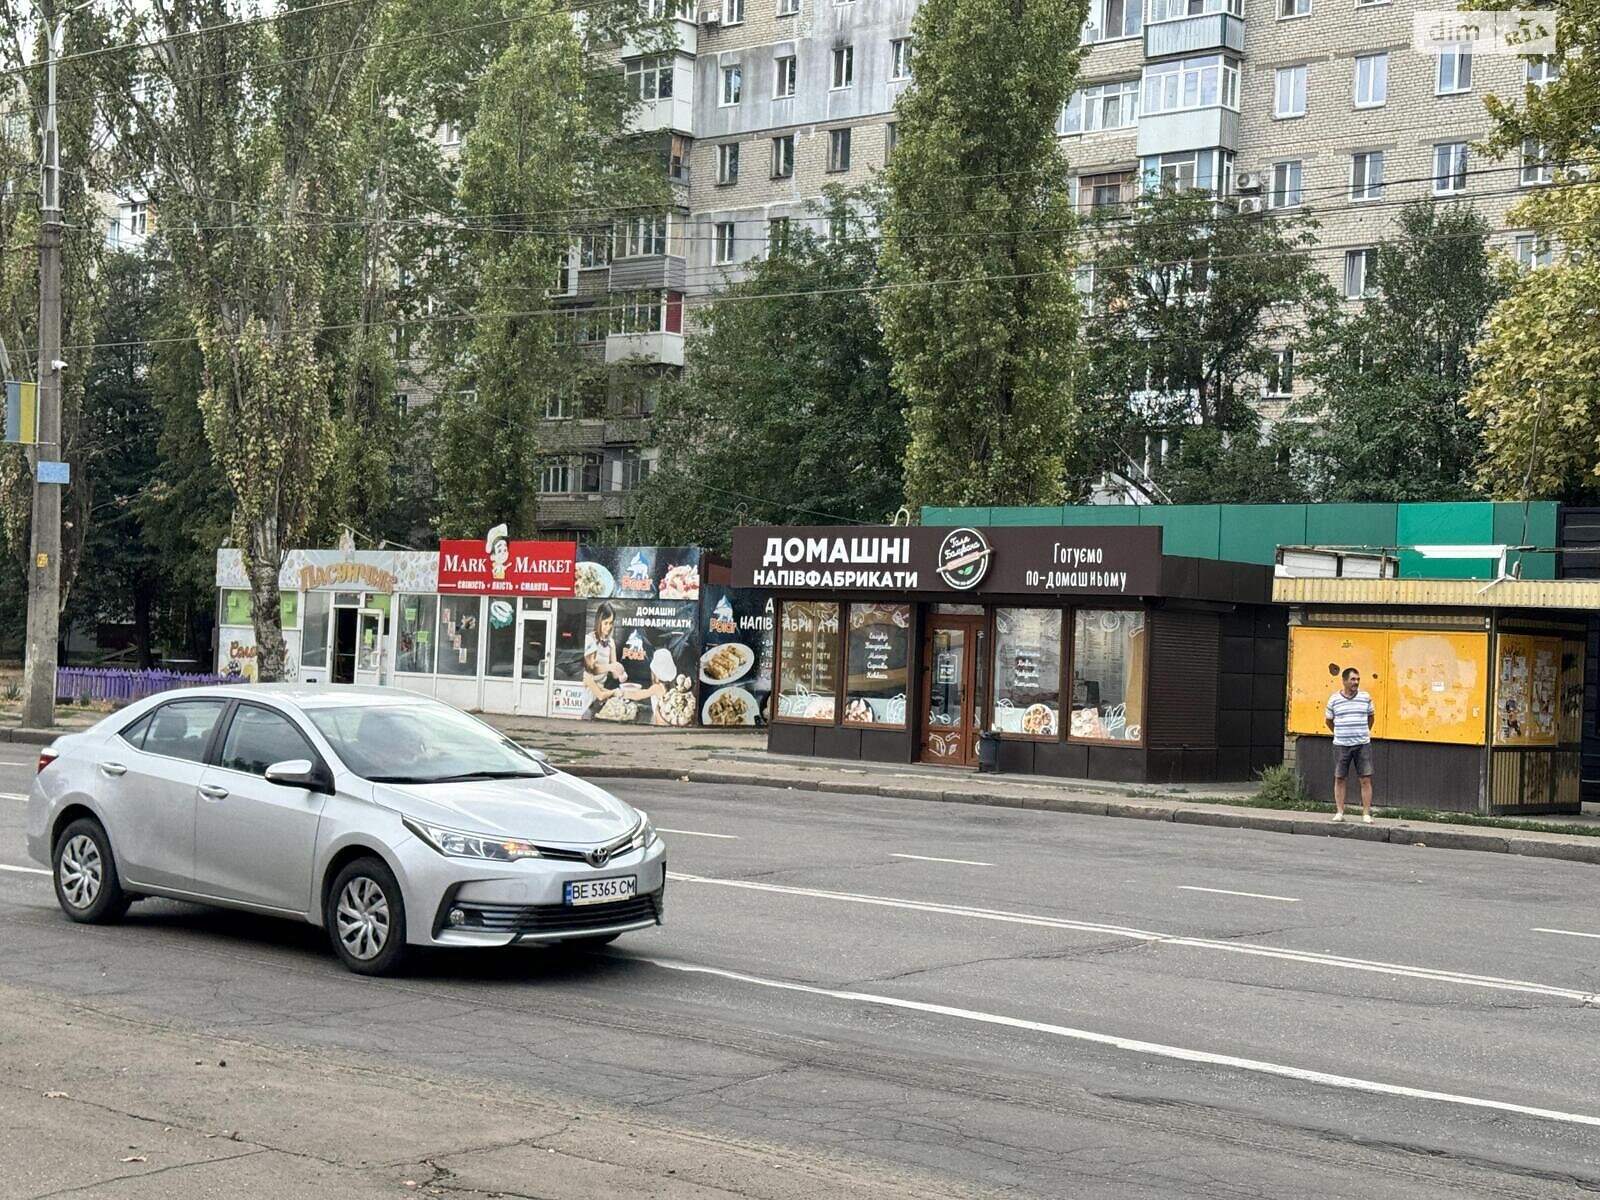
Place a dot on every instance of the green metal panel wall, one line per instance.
(1192, 530)
(1366, 525)
(1543, 517)
(1444, 525)
(1253, 532)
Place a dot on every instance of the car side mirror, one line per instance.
(300, 773)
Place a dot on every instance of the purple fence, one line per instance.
(82, 684)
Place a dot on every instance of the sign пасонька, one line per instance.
(1007, 561)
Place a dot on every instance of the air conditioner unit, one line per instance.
(1250, 205)
(711, 16)
(1247, 181)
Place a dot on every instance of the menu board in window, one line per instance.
(808, 667)
(879, 648)
(1027, 671)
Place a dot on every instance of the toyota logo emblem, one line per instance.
(599, 858)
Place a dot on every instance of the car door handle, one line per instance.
(212, 792)
(113, 769)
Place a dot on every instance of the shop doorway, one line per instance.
(345, 644)
(532, 695)
(372, 663)
(952, 679)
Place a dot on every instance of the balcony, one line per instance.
(1200, 34)
(570, 434)
(593, 510)
(1188, 129)
(666, 348)
(647, 273)
(685, 32)
(623, 430)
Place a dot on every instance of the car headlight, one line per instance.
(643, 837)
(457, 844)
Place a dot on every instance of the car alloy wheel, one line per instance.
(363, 918)
(82, 871)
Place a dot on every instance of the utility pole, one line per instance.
(44, 567)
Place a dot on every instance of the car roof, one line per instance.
(307, 695)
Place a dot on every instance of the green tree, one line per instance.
(980, 316)
(1389, 380)
(786, 414)
(1190, 301)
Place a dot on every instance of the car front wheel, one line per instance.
(86, 874)
(366, 918)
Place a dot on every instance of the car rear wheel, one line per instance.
(86, 874)
(366, 918)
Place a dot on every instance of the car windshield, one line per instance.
(420, 743)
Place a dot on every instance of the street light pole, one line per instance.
(44, 565)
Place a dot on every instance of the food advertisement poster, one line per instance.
(637, 573)
(627, 661)
(736, 656)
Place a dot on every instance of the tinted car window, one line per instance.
(134, 734)
(419, 743)
(183, 728)
(258, 738)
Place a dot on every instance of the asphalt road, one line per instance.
(851, 996)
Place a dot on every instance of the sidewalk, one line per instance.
(601, 750)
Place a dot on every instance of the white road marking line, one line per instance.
(1183, 887)
(24, 870)
(1569, 932)
(960, 862)
(729, 837)
(1401, 970)
(1133, 1046)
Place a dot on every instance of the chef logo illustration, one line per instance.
(497, 545)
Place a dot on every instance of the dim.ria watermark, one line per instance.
(1523, 32)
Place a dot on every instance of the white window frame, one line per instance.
(1297, 77)
(1534, 169)
(555, 478)
(1293, 10)
(1375, 67)
(1178, 10)
(645, 76)
(138, 219)
(844, 68)
(645, 236)
(1175, 80)
(788, 8)
(1368, 258)
(727, 163)
(779, 230)
(783, 156)
(1281, 371)
(559, 406)
(785, 76)
(1531, 251)
(891, 139)
(450, 133)
(724, 242)
(1371, 186)
(1459, 73)
(899, 59)
(1540, 71)
(1086, 109)
(732, 85)
(1094, 23)
(733, 12)
(1450, 168)
(838, 138)
(1291, 193)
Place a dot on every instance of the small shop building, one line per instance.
(1084, 651)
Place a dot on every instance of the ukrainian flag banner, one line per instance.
(22, 412)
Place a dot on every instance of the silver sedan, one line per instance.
(392, 820)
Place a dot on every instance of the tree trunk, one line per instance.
(262, 562)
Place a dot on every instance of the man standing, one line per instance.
(1350, 716)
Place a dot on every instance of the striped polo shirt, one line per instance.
(1349, 716)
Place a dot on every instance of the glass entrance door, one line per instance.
(533, 664)
(371, 661)
(949, 691)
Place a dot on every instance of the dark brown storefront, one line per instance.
(1085, 650)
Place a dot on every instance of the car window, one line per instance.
(420, 742)
(183, 728)
(134, 734)
(259, 737)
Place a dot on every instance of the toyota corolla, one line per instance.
(392, 820)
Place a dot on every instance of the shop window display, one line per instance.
(1108, 671)
(1027, 671)
(808, 660)
(879, 649)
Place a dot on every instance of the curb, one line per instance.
(1428, 836)
(33, 737)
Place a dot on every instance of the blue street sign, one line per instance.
(50, 471)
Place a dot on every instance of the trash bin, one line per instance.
(988, 753)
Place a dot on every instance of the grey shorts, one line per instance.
(1343, 756)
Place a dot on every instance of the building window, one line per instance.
(723, 244)
(415, 618)
(556, 477)
(808, 660)
(728, 163)
(1103, 193)
(641, 236)
(1108, 674)
(1280, 374)
(458, 634)
(633, 468)
(777, 235)
(877, 658)
(1542, 70)
(1174, 10)
(640, 312)
(1291, 92)
(138, 218)
(900, 58)
(1531, 251)
(1449, 168)
(1360, 268)
(1109, 20)
(1372, 81)
(594, 248)
(450, 133)
(1106, 106)
(733, 12)
(1027, 672)
(558, 406)
(593, 470)
(732, 85)
(1366, 176)
(783, 156)
(788, 8)
(402, 403)
(844, 67)
(1287, 188)
(838, 149)
(1454, 70)
(1207, 170)
(891, 139)
(787, 79)
(1536, 168)
(1293, 8)
(1191, 83)
(649, 78)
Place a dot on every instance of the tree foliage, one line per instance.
(786, 414)
(1388, 412)
(980, 316)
